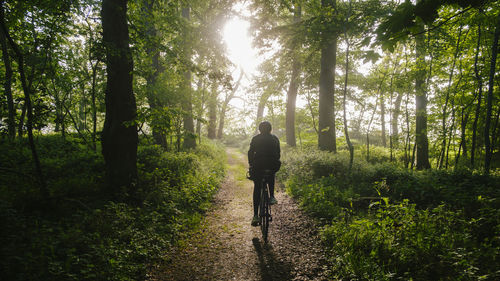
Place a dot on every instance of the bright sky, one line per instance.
(243, 55)
(239, 45)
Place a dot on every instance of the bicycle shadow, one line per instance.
(271, 268)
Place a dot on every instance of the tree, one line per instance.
(27, 100)
(11, 121)
(187, 104)
(489, 101)
(294, 85)
(119, 134)
(326, 122)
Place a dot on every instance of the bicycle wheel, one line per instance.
(264, 212)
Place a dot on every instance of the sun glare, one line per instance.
(239, 45)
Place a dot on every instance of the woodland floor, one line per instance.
(226, 247)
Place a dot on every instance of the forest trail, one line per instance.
(226, 247)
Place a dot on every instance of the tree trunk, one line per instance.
(11, 121)
(421, 140)
(187, 104)
(346, 130)
(407, 139)
(27, 101)
(382, 119)
(119, 134)
(463, 140)
(479, 97)
(229, 97)
(326, 123)
(212, 113)
(395, 117)
(260, 109)
(293, 88)
(94, 105)
(489, 101)
(451, 134)
(153, 54)
(447, 98)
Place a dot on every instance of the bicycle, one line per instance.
(264, 206)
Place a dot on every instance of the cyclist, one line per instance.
(264, 154)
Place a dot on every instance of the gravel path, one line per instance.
(226, 247)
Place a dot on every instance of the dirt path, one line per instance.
(226, 247)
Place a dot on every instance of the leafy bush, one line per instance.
(80, 234)
(448, 232)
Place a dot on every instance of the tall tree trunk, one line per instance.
(346, 130)
(119, 135)
(479, 97)
(27, 101)
(395, 117)
(447, 98)
(382, 118)
(326, 123)
(187, 104)
(260, 109)
(421, 140)
(489, 101)
(407, 139)
(212, 112)
(463, 140)
(229, 97)
(94, 105)
(293, 87)
(451, 134)
(7, 86)
(153, 54)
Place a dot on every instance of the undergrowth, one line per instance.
(80, 234)
(383, 222)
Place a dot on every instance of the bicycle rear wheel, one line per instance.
(264, 212)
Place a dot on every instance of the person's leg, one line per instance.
(271, 186)
(256, 197)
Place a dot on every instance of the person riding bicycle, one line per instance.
(264, 154)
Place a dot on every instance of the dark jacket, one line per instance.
(264, 153)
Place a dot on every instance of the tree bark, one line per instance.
(346, 130)
(7, 86)
(479, 97)
(187, 104)
(260, 109)
(229, 97)
(153, 54)
(382, 118)
(293, 88)
(395, 117)
(447, 98)
(119, 134)
(421, 140)
(489, 101)
(212, 113)
(326, 123)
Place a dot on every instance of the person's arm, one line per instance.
(251, 153)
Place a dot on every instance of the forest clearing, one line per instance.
(125, 127)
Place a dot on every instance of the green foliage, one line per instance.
(399, 241)
(82, 235)
(449, 231)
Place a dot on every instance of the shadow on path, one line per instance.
(270, 267)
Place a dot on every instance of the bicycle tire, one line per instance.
(264, 211)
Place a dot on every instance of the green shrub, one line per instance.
(81, 235)
(448, 232)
